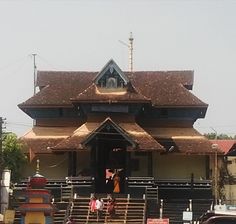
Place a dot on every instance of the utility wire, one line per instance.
(58, 164)
(29, 125)
(46, 61)
(13, 63)
(52, 67)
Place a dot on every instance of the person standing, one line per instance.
(109, 180)
(116, 180)
(111, 207)
(92, 204)
(99, 207)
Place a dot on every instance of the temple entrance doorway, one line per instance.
(109, 164)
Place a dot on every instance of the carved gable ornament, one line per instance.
(111, 77)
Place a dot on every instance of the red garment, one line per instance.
(92, 205)
(111, 207)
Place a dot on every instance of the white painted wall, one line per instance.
(5, 189)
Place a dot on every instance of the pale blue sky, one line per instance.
(83, 35)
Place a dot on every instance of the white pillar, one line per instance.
(5, 188)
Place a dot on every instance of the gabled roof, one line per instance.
(111, 65)
(138, 138)
(109, 123)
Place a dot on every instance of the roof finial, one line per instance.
(131, 39)
(37, 167)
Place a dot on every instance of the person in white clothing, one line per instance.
(99, 207)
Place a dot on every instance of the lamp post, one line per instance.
(215, 147)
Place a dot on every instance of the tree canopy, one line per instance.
(12, 156)
(220, 136)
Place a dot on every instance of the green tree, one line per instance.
(13, 157)
(210, 135)
(225, 136)
(219, 137)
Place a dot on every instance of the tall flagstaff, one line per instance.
(131, 39)
(131, 48)
(35, 70)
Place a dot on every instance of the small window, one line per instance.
(111, 83)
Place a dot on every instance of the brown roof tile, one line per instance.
(131, 130)
(40, 139)
(145, 140)
(199, 146)
(167, 88)
(93, 94)
(74, 141)
(163, 88)
(82, 79)
(184, 140)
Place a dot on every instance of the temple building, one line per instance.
(137, 123)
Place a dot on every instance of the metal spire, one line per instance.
(35, 70)
(131, 39)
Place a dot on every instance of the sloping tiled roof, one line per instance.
(166, 88)
(82, 79)
(92, 94)
(74, 141)
(183, 140)
(163, 88)
(145, 140)
(40, 139)
(227, 146)
(133, 131)
(45, 78)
